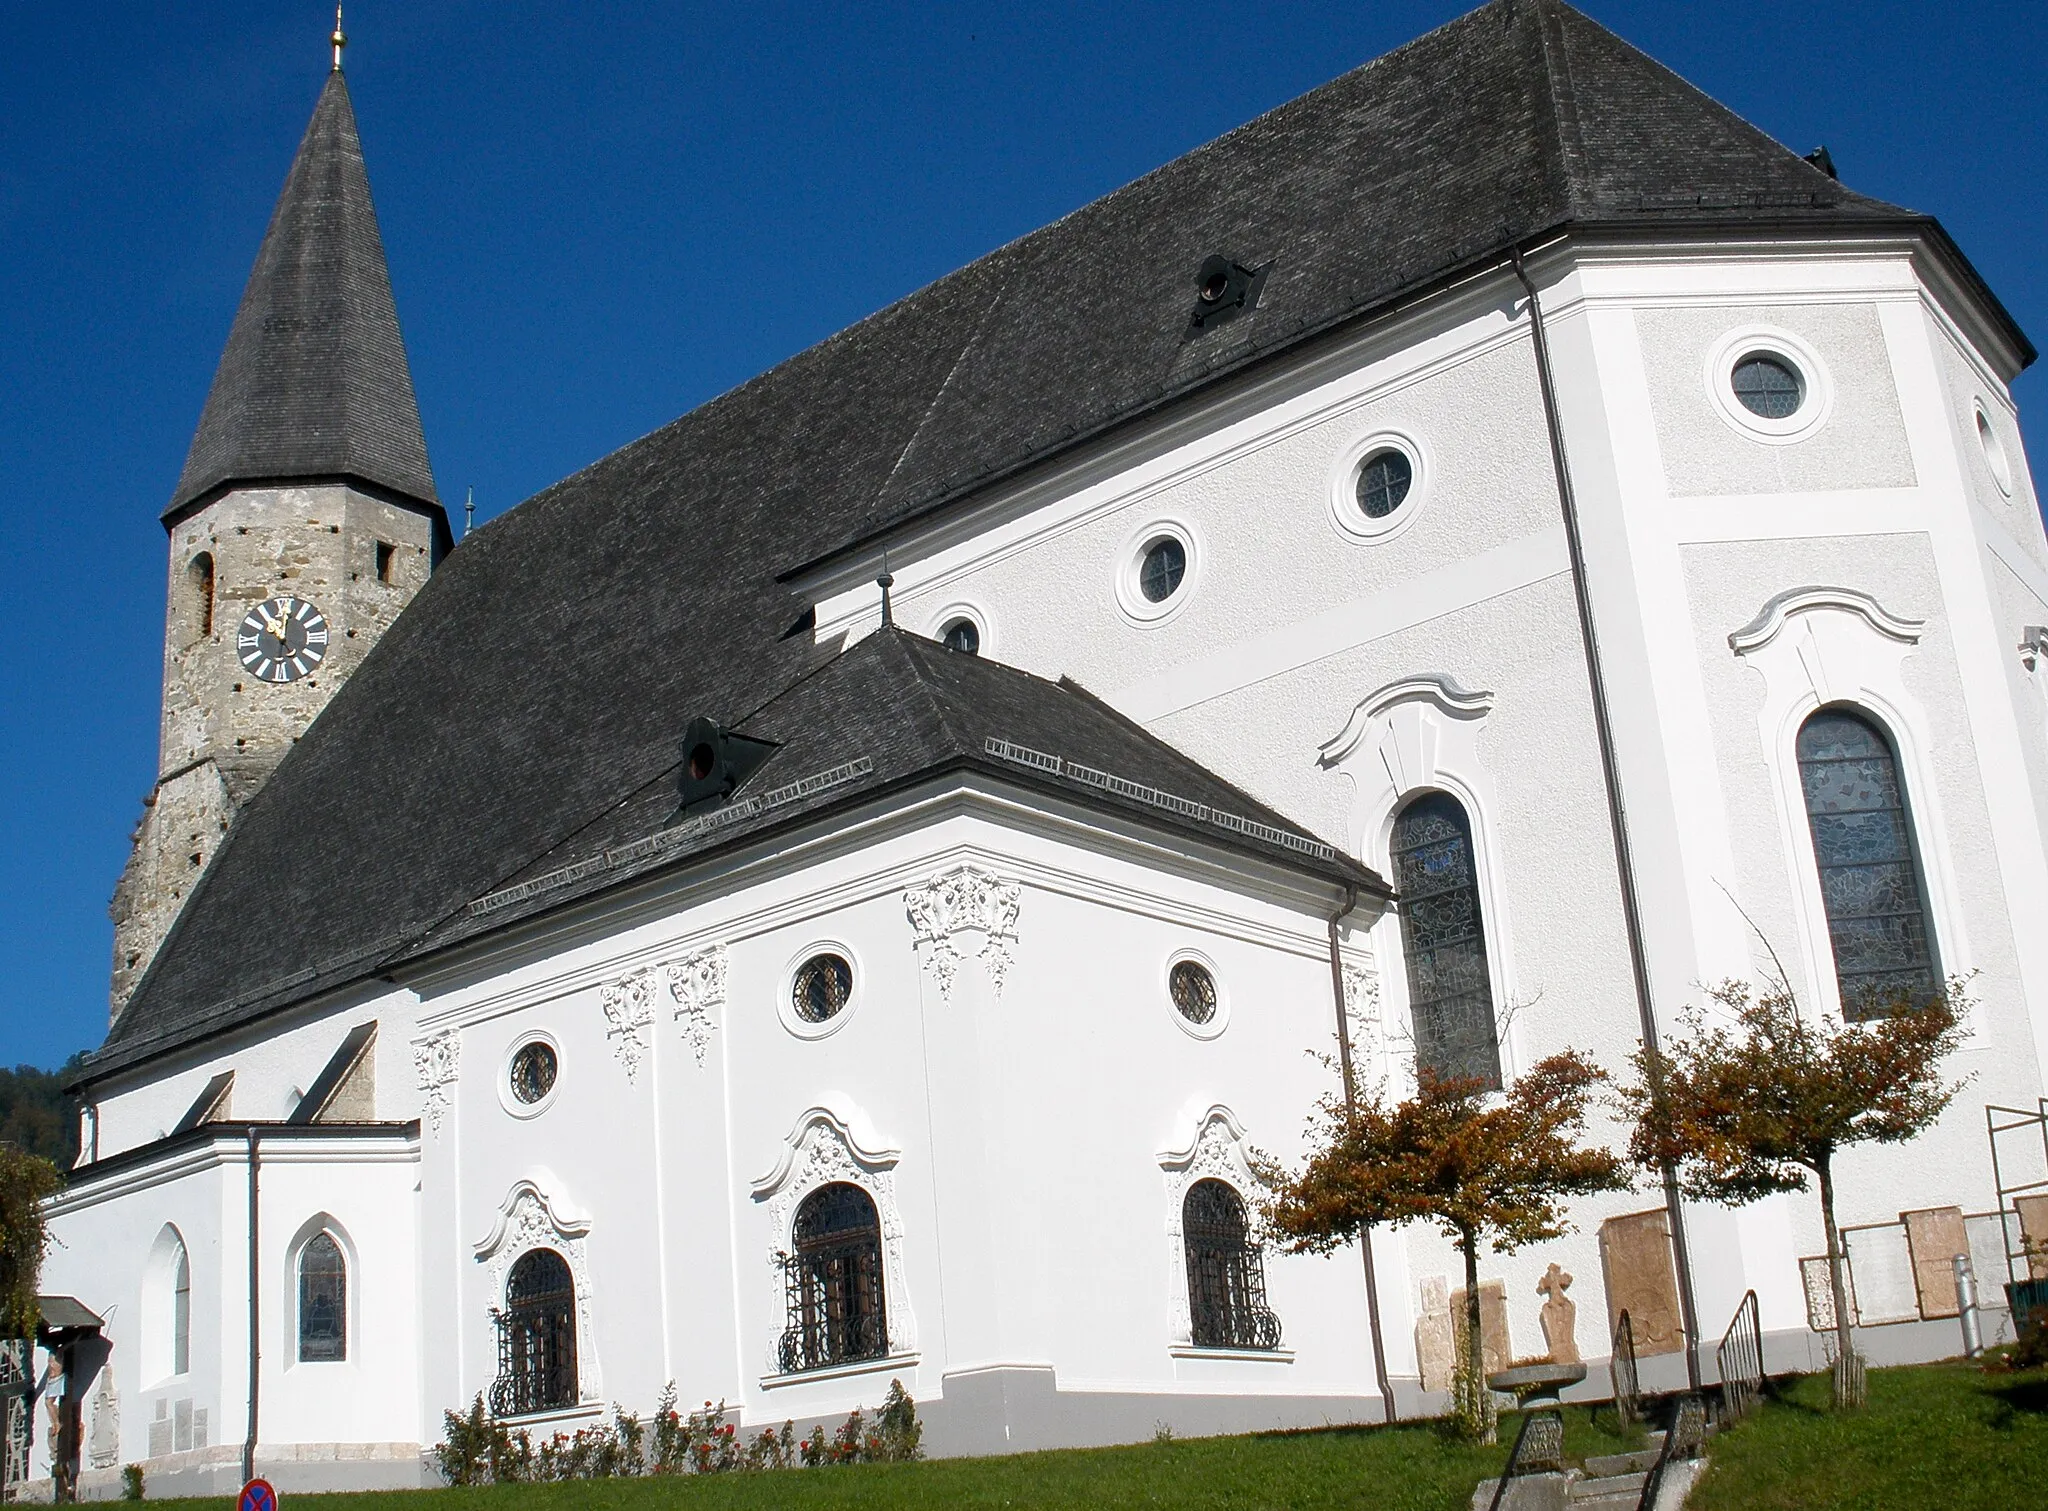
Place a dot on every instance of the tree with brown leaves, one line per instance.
(1753, 1105)
(1484, 1168)
(24, 1181)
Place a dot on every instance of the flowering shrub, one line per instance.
(479, 1450)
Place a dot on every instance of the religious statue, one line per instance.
(1560, 1316)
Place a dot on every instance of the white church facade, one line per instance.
(843, 889)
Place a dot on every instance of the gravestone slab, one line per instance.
(1433, 1349)
(1934, 1237)
(2033, 1212)
(1635, 1261)
(1494, 1348)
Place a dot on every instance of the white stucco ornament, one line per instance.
(696, 989)
(629, 1018)
(965, 901)
(436, 1063)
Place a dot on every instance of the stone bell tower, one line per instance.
(303, 523)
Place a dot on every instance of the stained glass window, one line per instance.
(1450, 993)
(1869, 878)
(181, 1314)
(1383, 483)
(323, 1301)
(1767, 387)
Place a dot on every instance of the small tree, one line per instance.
(1483, 1168)
(25, 1180)
(1752, 1106)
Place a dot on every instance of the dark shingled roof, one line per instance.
(534, 694)
(314, 382)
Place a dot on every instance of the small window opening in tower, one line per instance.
(199, 583)
(385, 552)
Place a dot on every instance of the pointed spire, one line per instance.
(339, 39)
(314, 382)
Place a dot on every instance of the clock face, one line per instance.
(282, 639)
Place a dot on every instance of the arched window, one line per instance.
(199, 589)
(1450, 993)
(536, 1337)
(1226, 1272)
(323, 1301)
(833, 1282)
(181, 1313)
(1869, 876)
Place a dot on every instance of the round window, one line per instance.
(1383, 482)
(1994, 453)
(533, 1072)
(1161, 569)
(1194, 991)
(961, 636)
(1768, 387)
(821, 989)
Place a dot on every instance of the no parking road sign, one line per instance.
(257, 1495)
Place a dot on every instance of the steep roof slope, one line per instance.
(545, 674)
(314, 381)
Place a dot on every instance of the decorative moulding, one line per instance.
(1441, 690)
(848, 1126)
(696, 986)
(965, 900)
(629, 1017)
(436, 1063)
(2034, 645)
(1781, 610)
(528, 1210)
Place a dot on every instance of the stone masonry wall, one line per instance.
(223, 730)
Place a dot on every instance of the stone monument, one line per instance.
(1560, 1316)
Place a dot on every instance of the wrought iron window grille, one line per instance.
(536, 1337)
(835, 1306)
(1226, 1272)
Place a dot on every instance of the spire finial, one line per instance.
(886, 582)
(468, 513)
(339, 39)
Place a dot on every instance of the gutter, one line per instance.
(1617, 814)
(1372, 1284)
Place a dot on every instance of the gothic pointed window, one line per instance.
(833, 1282)
(536, 1337)
(323, 1301)
(1226, 1272)
(181, 1314)
(1869, 876)
(1443, 936)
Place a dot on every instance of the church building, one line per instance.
(844, 888)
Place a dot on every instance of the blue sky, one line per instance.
(600, 215)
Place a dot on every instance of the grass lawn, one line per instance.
(1944, 1435)
(1409, 1468)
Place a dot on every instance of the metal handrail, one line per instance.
(1507, 1472)
(1740, 1360)
(1684, 1434)
(1628, 1398)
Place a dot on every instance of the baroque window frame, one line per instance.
(827, 1145)
(1414, 736)
(531, 1216)
(1216, 1149)
(1835, 647)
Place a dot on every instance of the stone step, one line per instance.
(1609, 1487)
(1622, 1463)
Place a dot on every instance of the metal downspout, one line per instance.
(1617, 817)
(1372, 1284)
(255, 1337)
